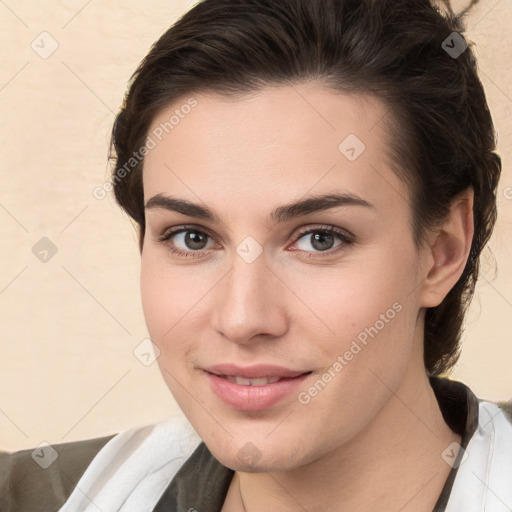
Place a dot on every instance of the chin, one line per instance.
(263, 465)
(253, 454)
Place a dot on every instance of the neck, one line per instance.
(393, 464)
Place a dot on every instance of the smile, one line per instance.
(255, 393)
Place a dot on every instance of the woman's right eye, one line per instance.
(191, 239)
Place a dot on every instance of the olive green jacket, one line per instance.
(26, 486)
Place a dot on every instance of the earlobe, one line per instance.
(449, 250)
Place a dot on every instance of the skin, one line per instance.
(372, 438)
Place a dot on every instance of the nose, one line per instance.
(250, 303)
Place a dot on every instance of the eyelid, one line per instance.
(180, 229)
(322, 227)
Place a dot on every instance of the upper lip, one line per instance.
(254, 372)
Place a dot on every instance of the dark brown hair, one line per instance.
(443, 139)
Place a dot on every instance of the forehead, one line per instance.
(280, 142)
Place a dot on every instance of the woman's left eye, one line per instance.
(323, 239)
(194, 241)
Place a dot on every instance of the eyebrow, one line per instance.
(313, 204)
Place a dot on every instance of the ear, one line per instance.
(448, 250)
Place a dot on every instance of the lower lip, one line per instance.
(253, 398)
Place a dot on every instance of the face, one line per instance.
(322, 296)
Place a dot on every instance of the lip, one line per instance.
(253, 398)
(255, 371)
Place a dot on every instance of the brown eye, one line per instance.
(322, 240)
(185, 241)
(195, 240)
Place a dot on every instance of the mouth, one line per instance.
(254, 372)
(258, 381)
(253, 388)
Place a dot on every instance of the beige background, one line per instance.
(69, 326)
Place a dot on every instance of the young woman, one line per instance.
(313, 182)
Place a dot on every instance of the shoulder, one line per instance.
(40, 480)
(133, 469)
(484, 467)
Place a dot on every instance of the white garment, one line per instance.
(484, 480)
(132, 471)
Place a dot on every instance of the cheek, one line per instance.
(365, 320)
(171, 302)
(153, 296)
(162, 302)
(168, 293)
(165, 300)
(366, 333)
(342, 302)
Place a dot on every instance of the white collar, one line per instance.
(134, 468)
(484, 478)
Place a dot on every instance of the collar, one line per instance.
(460, 409)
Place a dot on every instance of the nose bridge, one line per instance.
(249, 272)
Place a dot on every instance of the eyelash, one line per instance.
(342, 236)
